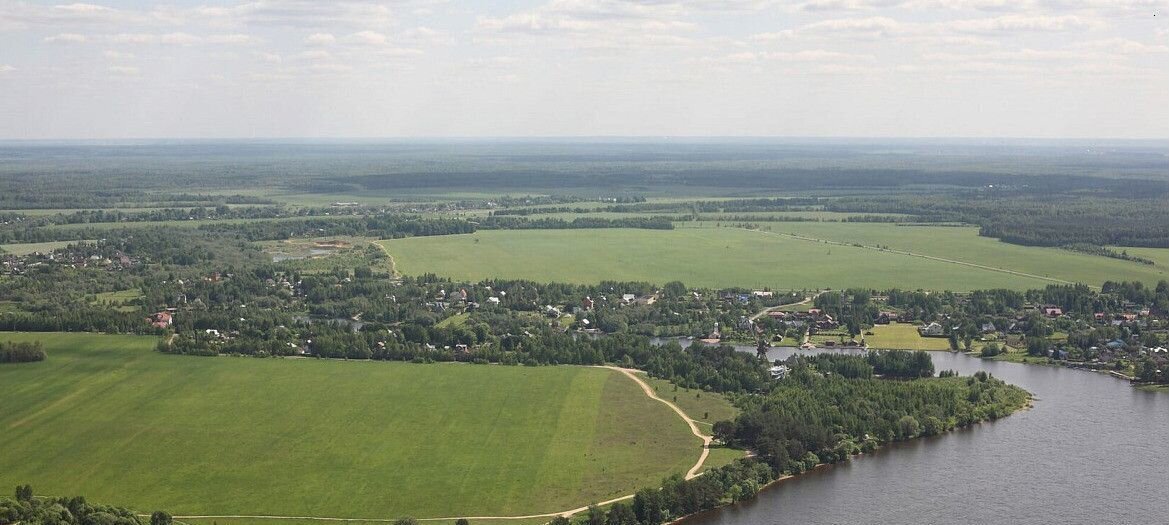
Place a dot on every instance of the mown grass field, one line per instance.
(107, 417)
(28, 248)
(706, 408)
(899, 336)
(965, 245)
(724, 257)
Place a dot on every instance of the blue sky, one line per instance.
(432, 68)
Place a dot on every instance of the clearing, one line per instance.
(901, 336)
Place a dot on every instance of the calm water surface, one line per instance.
(1092, 450)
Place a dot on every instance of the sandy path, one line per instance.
(630, 373)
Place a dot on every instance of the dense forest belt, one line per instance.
(912, 254)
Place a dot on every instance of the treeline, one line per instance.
(21, 352)
(679, 497)
(518, 223)
(384, 226)
(900, 364)
(808, 419)
(219, 212)
(720, 369)
(1092, 249)
(37, 510)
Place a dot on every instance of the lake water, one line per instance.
(1092, 450)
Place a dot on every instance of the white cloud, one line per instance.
(316, 54)
(320, 39)
(5, 68)
(296, 13)
(128, 71)
(180, 39)
(72, 38)
(184, 39)
(368, 37)
(1123, 46)
(117, 55)
(1024, 24)
(608, 24)
(233, 39)
(870, 27)
(271, 58)
(83, 9)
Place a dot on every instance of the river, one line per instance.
(1092, 450)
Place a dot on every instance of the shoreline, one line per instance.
(825, 466)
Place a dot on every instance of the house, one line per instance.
(160, 320)
(744, 324)
(932, 330)
(493, 300)
(778, 371)
(988, 328)
(887, 317)
(587, 303)
(1115, 344)
(1052, 311)
(628, 298)
(761, 293)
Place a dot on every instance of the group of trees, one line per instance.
(813, 418)
(26, 508)
(893, 364)
(21, 352)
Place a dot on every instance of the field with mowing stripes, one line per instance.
(108, 417)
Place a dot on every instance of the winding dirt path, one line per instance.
(628, 372)
(649, 391)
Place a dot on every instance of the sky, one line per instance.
(565, 68)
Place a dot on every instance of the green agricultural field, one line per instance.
(789, 256)
(898, 336)
(963, 244)
(107, 417)
(1160, 256)
(34, 247)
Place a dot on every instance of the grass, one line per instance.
(703, 257)
(454, 320)
(722, 456)
(119, 300)
(964, 244)
(899, 336)
(107, 417)
(830, 255)
(29, 248)
(706, 408)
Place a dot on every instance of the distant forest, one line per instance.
(1065, 194)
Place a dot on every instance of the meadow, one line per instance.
(790, 256)
(28, 248)
(901, 336)
(108, 417)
